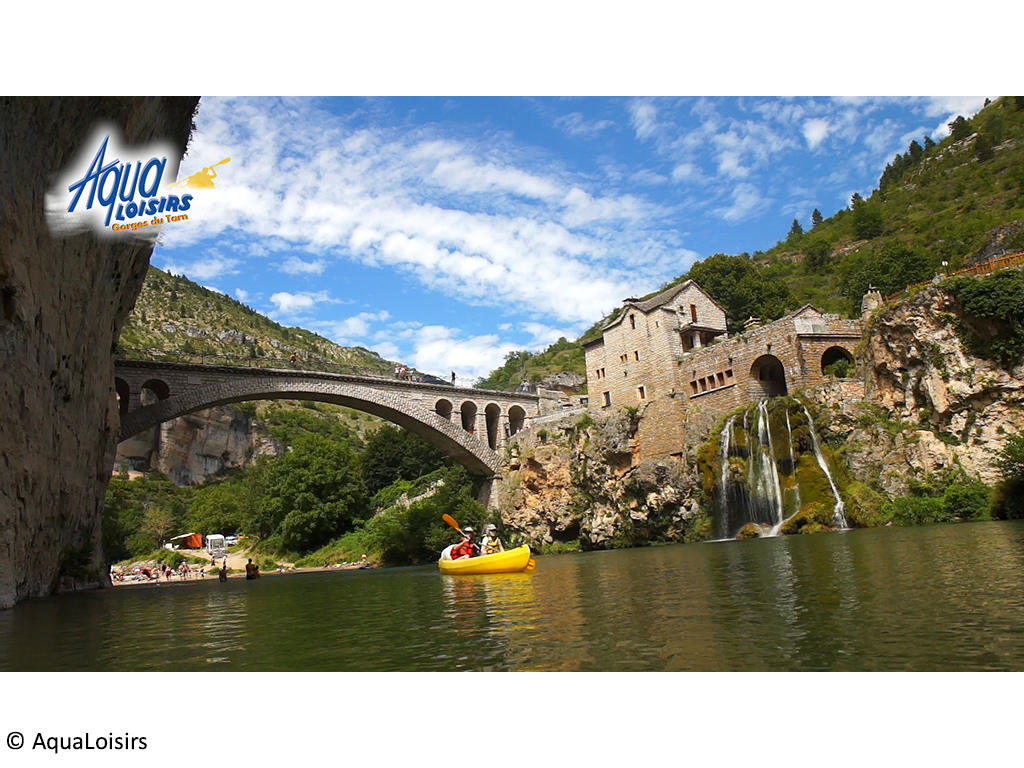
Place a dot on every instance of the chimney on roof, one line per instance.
(752, 323)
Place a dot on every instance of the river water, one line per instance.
(943, 597)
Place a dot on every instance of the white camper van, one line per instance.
(215, 546)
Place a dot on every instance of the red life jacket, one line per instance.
(461, 549)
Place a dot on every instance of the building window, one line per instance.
(607, 397)
(693, 386)
(640, 391)
(728, 375)
(623, 358)
(703, 385)
(636, 355)
(632, 321)
(721, 379)
(693, 313)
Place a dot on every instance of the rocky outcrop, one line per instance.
(193, 448)
(581, 480)
(62, 305)
(1000, 241)
(930, 406)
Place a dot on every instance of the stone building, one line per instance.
(672, 355)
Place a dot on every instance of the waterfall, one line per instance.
(723, 487)
(750, 488)
(792, 463)
(839, 511)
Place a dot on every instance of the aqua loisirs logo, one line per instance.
(111, 189)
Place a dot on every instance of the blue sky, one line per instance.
(446, 232)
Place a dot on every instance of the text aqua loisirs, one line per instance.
(113, 188)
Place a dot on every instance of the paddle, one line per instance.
(530, 564)
(451, 521)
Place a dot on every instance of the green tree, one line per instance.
(313, 493)
(816, 253)
(743, 289)
(890, 271)
(816, 218)
(867, 219)
(928, 143)
(795, 230)
(395, 454)
(960, 128)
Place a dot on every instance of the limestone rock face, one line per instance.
(62, 305)
(190, 449)
(583, 481)
(930, 406)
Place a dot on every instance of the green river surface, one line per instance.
(941, 597)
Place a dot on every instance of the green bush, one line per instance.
(914, 510)
(967, 500)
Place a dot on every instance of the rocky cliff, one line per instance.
(63, 302)
(580, 479)
(201, 445)
(930, 405)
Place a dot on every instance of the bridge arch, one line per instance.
(516, 419)
(468, 410)
(443, 408)
(770, 375)
(492, 414)
(158, 388)
(448, 437)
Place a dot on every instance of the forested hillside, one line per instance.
(938, 206)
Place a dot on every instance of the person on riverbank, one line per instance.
(465, 548)
(491, 544)
(223, 575)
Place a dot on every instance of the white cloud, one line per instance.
(352, 330)
(576, 125)
(643, 116)
(816, 130)
(241, 294)
(292, 304)
(204, 269)
(521, 234)
(746, 201)
(296, 266)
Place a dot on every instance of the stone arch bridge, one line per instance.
(470, 425)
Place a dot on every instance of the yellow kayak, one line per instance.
(510, 561)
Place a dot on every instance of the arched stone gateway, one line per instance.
(770, 375)
(834, 355)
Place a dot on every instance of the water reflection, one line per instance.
(930, 598)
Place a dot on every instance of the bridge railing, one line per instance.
(247, 361)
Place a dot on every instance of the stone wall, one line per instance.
(64, 303)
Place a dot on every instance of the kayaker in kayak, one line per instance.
(491, 544)
(465, 548)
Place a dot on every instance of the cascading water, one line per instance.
(792, 461)
(750, 491)
(839, 511)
